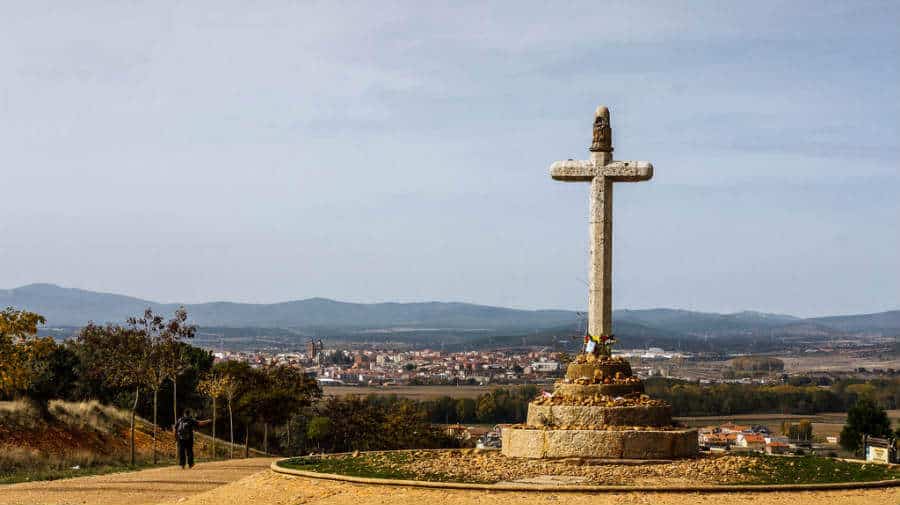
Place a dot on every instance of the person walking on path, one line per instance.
(184, 434)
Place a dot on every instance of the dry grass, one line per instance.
(19, 415)
(14, 459)
(80, 438)
(71, 439)
(89, 415)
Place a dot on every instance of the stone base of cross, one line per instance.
(601, 171)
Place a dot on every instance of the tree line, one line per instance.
(148, 367)
(510, 405)
(693, 399)
(143, 365)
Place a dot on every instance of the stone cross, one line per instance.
(601, 171)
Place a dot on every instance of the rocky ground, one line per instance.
(491, 467)
(269, 488)
(248, 481)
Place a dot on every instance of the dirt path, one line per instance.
(158, 485)
(270, 488)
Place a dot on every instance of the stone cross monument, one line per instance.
(599, 410)
(601, 171)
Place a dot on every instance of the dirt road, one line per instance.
(270, 488)
(157, 485)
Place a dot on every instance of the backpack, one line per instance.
(184, 429)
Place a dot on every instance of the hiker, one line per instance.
(184, 433)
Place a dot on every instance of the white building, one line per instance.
(544, 366)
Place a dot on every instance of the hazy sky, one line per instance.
(376, 151)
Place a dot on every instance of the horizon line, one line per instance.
(57, 286)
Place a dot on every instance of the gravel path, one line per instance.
(270, 488)
(158, 485)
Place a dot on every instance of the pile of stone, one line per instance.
(603, 427)
(599, 410)
(489, 467)
(598, 400)
(592, 359)
(618, 379)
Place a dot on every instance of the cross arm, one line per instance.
(586, 170)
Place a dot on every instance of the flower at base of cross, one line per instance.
(599, 345)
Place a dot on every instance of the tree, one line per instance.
(486, 411)
(119, 357)
(298, 391)
(864, 418)
(465, 410)
(230, 388)
(22, 353)
(804, 430)
(356, 423)
(213, 387)
(197, 364)
(318, 430)
(237, 378)
(176, 359)
(406, 426)
(57, 375)
(162, 339)
(278, 393)
(294, 436)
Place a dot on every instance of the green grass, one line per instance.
(817, 470)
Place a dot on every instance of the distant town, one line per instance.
(337, 366)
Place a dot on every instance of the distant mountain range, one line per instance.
(75, 307)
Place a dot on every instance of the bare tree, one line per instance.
(213, 387)
(230, 388)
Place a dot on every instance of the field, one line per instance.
(836, 362)
(414, 392)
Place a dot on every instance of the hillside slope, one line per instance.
(80, 436)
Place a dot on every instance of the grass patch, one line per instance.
(49, 473)
(817, 470)
(388, 465)
(748, 469)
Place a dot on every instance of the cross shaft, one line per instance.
(601, 171)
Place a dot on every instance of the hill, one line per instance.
(80, 438)
(881, 322)
(459, 322)
(75, 307)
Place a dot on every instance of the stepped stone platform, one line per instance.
(577, 415)
(626, 444)
(599, 411)
(580, 391)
